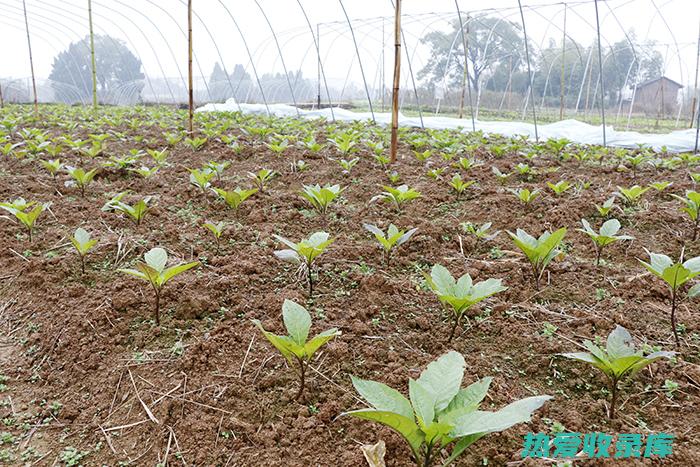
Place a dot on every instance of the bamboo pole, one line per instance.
(2, 101)
(92, 57)
(190, 126)
(397, 79)
(31, 58)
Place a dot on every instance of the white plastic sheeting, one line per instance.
(573, 130)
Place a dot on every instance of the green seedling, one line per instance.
(398, 196)
(160, 157)
(539, 251)
(460, 294)
(235, 197)
(201, 178)
(438, 412)
(619, 360)
(606, 235)
(217, 229)
(52, 166)
(660, 186)
(347, 165)
(559, 187)
(82, 178)
(261, 177)
(304, 254)
(144, 171)
(319, 197)
(26, 212)
(83, 244)
(459, 185)
(479, 232)
(525, 195)
(502, 178)
(675, 275)
(136, 212)
(692, 208)
(196, 143)
(392, 239)
(631, 195)
(607, 206)
(217, 167)
(296, 345)
(154, 271)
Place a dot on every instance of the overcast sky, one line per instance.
(155, 31)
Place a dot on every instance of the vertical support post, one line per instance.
(562, 83)
(2, 101)
(600, 72)
(466, 84)
(695, 90)
(31, 58)
(383, 70)
(318, 64)
(529, 72)
(92, 57)
(190, 125)
(397, 80)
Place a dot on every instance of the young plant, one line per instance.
(502, 177)
(235, 197)
(394, 177)
(675, 275)
(606, 236)
(201, 178)
(438, 412)
(525, 195)
(160, 157)
(459, 185)
(631, 195)
(304, 254)
(83, 244)
(398, 196)
(136, 212)
(393, 238)
(660, 186)
(539, 251)
(217, 230)
(321, 197)
(467, 163)
(261, 177)
(619, 360)
(217, 167)
(25, 212)
(480, 233)
(607, 206)
(436, 172)
(82, 178)
(347, 165)
(52, 166)
(154, 271)
(692, 208)
(559, 187)
(296, 345)
(460, 294)
(196, 143)
(144, 171)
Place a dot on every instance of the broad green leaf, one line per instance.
(156, 258)
(178, 269)
(316, 342)
(423, 401)
(382, 397)
(404, 426)
(488, 422)
(619, 344)
(443, 378)
(297, 321)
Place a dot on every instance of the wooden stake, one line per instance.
(397, 79)
(562, 83)
(92, 56)
(2, 102)
(189, 68)
(31, 58)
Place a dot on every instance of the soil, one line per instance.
(83, 356)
